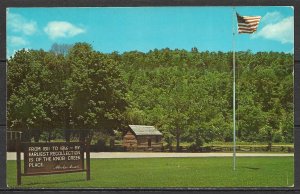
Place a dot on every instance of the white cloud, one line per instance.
(62, 29)
(17, 41)
(272, 17)
(282, 31)
(18, 23)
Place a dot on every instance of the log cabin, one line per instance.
(142, 138)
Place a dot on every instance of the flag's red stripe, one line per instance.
(248, 28)
(252, 24)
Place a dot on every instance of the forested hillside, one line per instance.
(186, 94)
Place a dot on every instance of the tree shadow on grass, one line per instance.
(44, 183)
(250, 168)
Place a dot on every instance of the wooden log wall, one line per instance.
(141, 143)
(156, 143)
(129, 141)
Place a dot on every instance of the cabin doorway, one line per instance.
(149, 142)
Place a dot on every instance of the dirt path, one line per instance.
(12, 155)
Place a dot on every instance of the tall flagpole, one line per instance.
(233, 101)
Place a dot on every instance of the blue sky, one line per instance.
(146, 28)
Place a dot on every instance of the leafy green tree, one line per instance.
(97, 90)
(33, 101)
(186, 94)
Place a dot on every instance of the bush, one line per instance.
(100, 146)
(194, 147)
(277, 137)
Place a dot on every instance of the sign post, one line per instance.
(88, 171)
(18, 150)
(53, 158)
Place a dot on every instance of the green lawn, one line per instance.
(170, 172)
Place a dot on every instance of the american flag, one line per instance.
(247, 24)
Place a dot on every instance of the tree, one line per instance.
(185, 94)
(97, 90)
(33, 100)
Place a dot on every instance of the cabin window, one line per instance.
(149, 142)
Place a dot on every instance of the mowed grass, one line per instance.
(169, 172)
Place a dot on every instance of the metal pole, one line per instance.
(233, 101)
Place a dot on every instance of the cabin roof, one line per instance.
(144, 130)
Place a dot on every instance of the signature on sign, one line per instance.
(62, 167)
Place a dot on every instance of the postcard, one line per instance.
(150, 97)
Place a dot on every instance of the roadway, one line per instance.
(12, 155)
